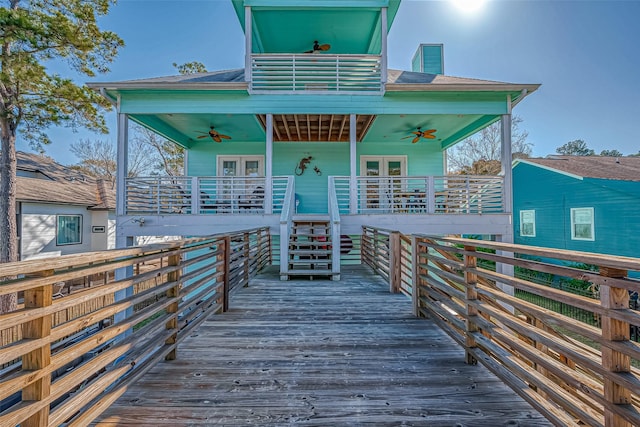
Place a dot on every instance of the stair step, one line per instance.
(310, 252)
(310, 261)
(310, 272)
(307, 245)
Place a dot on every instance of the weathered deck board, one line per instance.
(320, 353)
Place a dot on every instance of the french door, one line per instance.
(380, 184)
(246, 177)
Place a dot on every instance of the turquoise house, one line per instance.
(315, 137)
(578, 203)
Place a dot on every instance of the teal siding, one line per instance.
(416, 63)
(202, 160)
(330, 158)
(422, 158)
(428, 59)
(552, 195)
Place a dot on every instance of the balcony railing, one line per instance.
(203, 195)
(459, 194)
(313, 73)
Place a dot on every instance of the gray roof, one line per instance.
(396, 80)
(55, 183)
(617, 168)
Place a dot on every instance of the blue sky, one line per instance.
(584, 53)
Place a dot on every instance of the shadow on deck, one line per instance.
(320, 353)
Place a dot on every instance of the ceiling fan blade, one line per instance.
(224, 136)
(325, 46)
(203, 136)
(416, 139)
(216, 138)
(429, 136)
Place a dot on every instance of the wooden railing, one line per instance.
(316, 73)
(388, 253)
(69, 372)
(452, 194)
(203, 195)
(488, 296)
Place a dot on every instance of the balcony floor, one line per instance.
(320, 353)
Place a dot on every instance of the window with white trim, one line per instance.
(528, 223)
(68, 230)
(582, 224)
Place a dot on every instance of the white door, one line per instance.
(246, 177)
(379, 190)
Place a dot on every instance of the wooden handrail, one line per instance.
(67, 369)
(571, 371)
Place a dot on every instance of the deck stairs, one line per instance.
(310, 247)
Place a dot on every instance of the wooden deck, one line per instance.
(320, 353)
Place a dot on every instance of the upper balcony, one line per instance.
(316, 73)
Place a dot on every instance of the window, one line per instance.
(528, 223)
(582, 224)
(69, 230)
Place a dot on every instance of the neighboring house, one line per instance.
(315, 137)
(61, 211)
(578, 203)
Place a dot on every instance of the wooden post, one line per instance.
(173, 292)
(39, 358)
(394, 262)
(226, 261)
(471, 294)
(247, 260)
(415, 276)
(614, 361)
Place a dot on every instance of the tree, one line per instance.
(611, 153)
(191, 67)
(577, 147)
(169, 156)
(98, 159)
(485, 146)
(33, 33)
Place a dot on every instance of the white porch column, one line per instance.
(248, 42)
(507, 195)
(506, 159)
(383, 49)
(121, 240)
(353, 182)
(268, 191)
(122, 162)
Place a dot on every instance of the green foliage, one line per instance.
(191, 67)
(575, 148)
(611, 153)
(34, 34)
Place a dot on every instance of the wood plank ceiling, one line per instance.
(316, 127)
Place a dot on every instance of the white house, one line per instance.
(60, 210)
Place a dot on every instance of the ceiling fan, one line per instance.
(317, 47)
(213, 134)
(427, 134)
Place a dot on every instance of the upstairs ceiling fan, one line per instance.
(419, 133)
(213, 134)
(317, 47)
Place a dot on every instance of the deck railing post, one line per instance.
(394, 262)
(247, 259)
(471, 294)
(40, 358)
(226, 257)
(415, 276)
(613, 298)
(173, 292)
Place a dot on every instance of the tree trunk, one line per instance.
(8, 227)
